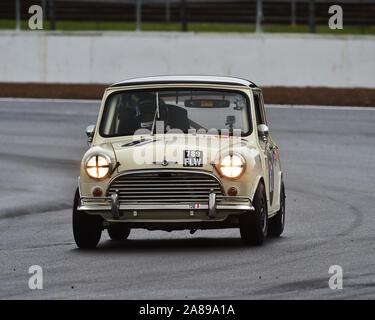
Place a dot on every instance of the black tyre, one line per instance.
(118, 232)
(276, 223)
(87, 229)
(254, 224)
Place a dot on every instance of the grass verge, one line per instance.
(66, 25)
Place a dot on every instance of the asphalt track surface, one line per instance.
(328, 157)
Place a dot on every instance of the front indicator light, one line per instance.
(232, 166)
(98, 166)
(232, 191)
(97, 192)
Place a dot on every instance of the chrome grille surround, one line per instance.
(165, 186)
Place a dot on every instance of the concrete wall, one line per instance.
(268, 60)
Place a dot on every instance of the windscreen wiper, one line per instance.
(156, 115)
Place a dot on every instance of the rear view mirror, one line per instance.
(263, 132)
(90, 130)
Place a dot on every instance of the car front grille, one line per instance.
(183, 186)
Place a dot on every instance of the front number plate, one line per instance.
(193, 158)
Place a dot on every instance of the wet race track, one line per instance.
(328, 158)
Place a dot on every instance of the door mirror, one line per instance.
(263, 132)
(90, 130)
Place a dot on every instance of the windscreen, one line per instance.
(138, 112)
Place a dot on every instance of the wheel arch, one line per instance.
(260, 180)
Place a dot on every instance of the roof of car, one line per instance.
(186, 79)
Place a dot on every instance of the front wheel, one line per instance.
(254, 224)
(87, 229)
(277, 223)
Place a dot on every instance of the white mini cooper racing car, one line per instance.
(180, 152)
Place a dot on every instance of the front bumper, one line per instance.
(113, 209)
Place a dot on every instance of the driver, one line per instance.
(146, 117)
(145, 109)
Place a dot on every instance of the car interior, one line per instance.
(128, 113)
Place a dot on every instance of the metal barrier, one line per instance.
(280, 12)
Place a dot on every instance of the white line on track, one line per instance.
(309, 107)
(48, 100)
(278, 106)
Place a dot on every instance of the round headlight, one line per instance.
(98, 166)
(232, 165)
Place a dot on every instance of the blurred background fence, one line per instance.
(359, 13)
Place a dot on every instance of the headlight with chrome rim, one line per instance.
(232, 165)
(98, 166)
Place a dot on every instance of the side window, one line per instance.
(259, 111)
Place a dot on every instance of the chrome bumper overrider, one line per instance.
(114, 205)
